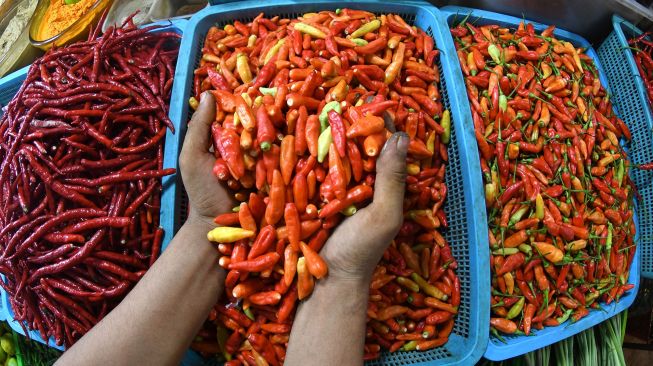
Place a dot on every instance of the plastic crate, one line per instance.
(9, 86)
(518, 345)
(466, 223)
(630, 97)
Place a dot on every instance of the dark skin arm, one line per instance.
(156, 322)
(329, 327)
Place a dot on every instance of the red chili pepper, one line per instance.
(338, 132)
(227, 143)
(337, 173)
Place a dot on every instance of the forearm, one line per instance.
(157, 321)
(329, 328)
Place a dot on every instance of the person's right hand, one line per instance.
(357, 245)
(208, 197)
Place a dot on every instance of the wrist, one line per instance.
(199, 222)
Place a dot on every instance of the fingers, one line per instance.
(198, 134)
(391, 172)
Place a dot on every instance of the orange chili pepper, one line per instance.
(291, 216)
(246, 219)
(366, 126)
(275, 208)
(315, 264)
(288, 158)
(305, 281)
(289, 265)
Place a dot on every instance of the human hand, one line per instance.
(208, 197)
(358, 243)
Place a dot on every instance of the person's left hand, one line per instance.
(357, 245)
(208, 197)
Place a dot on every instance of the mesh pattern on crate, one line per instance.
(457, 234)
(631, 107)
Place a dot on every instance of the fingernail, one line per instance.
(402, 137)
(203, 96)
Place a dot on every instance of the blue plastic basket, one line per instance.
(518, 345)
(631, 99)
(9, 86)
(467, 224)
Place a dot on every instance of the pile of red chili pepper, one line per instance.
(559, 200)
(82, 153)
(642, 50)
(304, 107)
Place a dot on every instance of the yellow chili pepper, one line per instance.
(576, 245)
(226, 234)
(242, 65)
(445, 122)
(539, 206)
(273, 51)
(427, 288)
(430, 142)
(194, 103)
(574, 54)
(323, 143)
(412, 169)
(310, 30)
(510, 283)
(407, 283)
(546, 70)
(251, 41)
(366, 28)
(349, 211)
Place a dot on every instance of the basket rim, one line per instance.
(518, 345)
(478, 322)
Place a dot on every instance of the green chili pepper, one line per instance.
(222, 336)
(620, 173)
(516, 309)
(324, 115)
(310, 30)
(516, 217)
(564, 316)
(589, 298)
(503, 103)
(494, 52)
(608, 243)
(359, 41)
(323, 143)
(505, 251)
(604, 282)
(71, 2)
(526, 249)
(249, 314)
(410, 346)
(235, 209)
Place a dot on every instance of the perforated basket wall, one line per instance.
(630, 97)
(517, 345)
(9, 86)
(466, 232)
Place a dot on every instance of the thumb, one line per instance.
(198, 133)
(391, 175)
